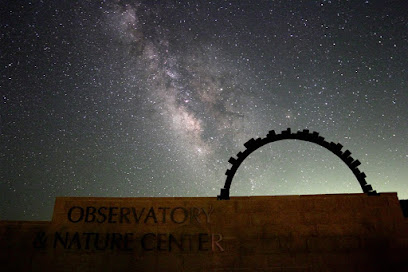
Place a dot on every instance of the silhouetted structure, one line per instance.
(305, 135)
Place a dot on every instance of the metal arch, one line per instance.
(305, 135)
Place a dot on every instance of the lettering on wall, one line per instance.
(131, 217)
(157, 242)
(144, 215)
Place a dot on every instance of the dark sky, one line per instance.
(151, 98)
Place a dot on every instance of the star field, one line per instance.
(151, 98)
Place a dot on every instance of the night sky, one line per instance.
(151, 98)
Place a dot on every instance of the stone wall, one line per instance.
(346, 232)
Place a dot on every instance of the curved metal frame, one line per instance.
(304, 135)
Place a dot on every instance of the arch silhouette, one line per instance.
(304, 135)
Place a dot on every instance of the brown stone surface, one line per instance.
(346, 232)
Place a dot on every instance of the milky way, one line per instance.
(149, 98)
(196, 95)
